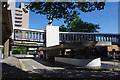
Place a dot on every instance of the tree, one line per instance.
(19, 49)
(66, 10)
(79, 26)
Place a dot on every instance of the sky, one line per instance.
(106, 18)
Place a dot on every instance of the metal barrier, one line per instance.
(29, 35)
(78, 36)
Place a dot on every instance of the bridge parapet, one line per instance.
(21, 34)
(80, 36)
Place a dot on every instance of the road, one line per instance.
(44, 69)
(32, 65)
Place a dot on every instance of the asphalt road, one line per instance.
(38, 69)
(32, 65)
(50, 71)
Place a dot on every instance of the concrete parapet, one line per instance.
(52, 35)
(80, 62)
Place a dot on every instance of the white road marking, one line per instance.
(34, 67)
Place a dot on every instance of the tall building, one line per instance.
(22, 16)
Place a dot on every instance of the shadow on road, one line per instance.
(9, 71)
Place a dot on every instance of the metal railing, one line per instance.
(39, 36)
(29, 35)
(79, 36)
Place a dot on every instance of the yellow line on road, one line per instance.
(23, 66)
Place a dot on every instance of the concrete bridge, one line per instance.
(56, 42)
(30, 35)
(52, 37)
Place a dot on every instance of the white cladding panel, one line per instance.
(52, 35)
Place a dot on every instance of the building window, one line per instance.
(17, 25)
(18, 11)
(18, 21)
(18, 14)
(18, 18)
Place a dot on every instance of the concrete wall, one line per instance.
(12, 8)
(0, 23)
(6, 48)
(25, 16)
(110, 48)
(80, 62)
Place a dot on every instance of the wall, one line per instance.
(110, 48)
(25, 17)
(52, 35)
(80, 62)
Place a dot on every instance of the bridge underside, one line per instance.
(83, 46)
(79, 45)
(25, 45)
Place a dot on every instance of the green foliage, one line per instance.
(79, 26)
(2, 49)
(69, 11)
(19, 49)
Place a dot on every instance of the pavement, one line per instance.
(39, 68)
(109, 65)
(11, 68)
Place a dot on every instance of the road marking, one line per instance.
(34, 67)
(23, 66)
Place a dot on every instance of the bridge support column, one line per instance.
(27, 51)
(10, 50)
(72, 53)
(63, 52)
(45, 55)
(6, 48)
(51, 54)
(52, 39)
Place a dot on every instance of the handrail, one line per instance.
(88, 33)
(81, 36)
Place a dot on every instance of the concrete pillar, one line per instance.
(52, 39)
(51, 54)
(45, 55)
(6, 49)
(63, 52)
(10, 50)
(27, 51)
(0, 23)
(72, 53)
